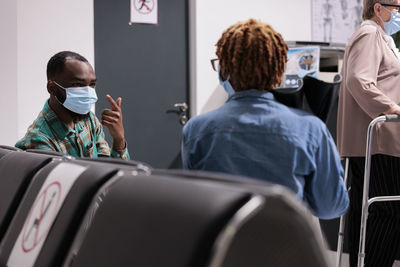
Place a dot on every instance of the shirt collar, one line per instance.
(373, 23)
(252, 93)
(54, 122)
(389, 39)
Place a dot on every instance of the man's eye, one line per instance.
(76, 85)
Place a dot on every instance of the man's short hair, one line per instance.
(56, 63)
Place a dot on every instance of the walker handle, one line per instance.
(392, 118)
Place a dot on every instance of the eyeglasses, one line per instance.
(214, 64)
(395, 7)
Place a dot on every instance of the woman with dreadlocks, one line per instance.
(254, 135)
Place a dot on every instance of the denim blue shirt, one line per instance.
(254, 135)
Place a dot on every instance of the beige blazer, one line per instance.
(371, 85)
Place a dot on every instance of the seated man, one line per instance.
(66, 123)
(254, 135)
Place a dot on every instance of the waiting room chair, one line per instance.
(128, 165)
(167, 219)
(89, 175)
(50, 153)
(17, 169)
(120, 213)
(7, 149)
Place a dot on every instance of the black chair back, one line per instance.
(321, 96)
(66, 215)
(61, 211)
(17, 170)
(6, 149)
(167, 219)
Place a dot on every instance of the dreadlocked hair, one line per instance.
(253, 55)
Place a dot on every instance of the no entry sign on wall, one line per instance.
(144, 11)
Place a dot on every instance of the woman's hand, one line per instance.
(395, 109)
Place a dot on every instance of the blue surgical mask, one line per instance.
(393, 25)
(79, 99)
(226, 84)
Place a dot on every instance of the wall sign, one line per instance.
(144, 11)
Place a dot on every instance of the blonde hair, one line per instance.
(253, 54)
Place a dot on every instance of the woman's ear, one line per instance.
(377, 9)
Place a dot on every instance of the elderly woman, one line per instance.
(371, 87)
(254, 135)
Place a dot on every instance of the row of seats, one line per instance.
(56, 210)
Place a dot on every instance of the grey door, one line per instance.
(146, 65)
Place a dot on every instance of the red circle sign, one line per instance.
(45, 207)
(144, 7)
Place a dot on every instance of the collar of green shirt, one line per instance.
(60, 128)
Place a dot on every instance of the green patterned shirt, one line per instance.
(87, 139)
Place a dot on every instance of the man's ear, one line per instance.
(50, 87)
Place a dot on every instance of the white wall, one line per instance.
(8, 71)
(39, 29)
(292, 18)
(32, 31)
(46, 27)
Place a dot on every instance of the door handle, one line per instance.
(180, 110)
(182, 106)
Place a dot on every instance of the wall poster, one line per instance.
(335, 20)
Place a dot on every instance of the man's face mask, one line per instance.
(79, 99)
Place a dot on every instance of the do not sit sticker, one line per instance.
(43, 213)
